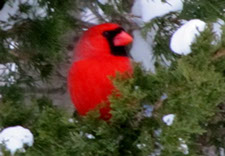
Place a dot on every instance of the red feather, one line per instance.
(88, 79)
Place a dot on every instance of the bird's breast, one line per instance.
(89, 83)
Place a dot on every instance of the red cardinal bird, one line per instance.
(99, 54)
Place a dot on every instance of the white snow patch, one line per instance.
(145, 11)
(165, 62)
(183, 147)
(136, 87)
(141, 146)
(88, 16)
(13, 45)
(183, 38)
(5, 70)
(142, 51)
(14, 138)
(148, 109)
(150, 9)
(168, 119)
(52, 9)
(222, 151)
(156, 152)
(164, 96)
(103, 1)
(158, 132)
(137, 11)
(11, 9)
(217, 29)
(89, 136)
(71, 120)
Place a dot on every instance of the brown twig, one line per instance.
(220, 53)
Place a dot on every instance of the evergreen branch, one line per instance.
(84, 24)
(44, 90)
(94, 8)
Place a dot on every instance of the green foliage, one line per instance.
(206, 10)
(164, 28)
(192, 88)
(194, 91)
(13, 111)
(40, 40)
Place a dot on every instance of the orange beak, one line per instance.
(122, 39)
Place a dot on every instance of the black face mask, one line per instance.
(115, 50)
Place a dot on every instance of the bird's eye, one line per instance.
(106, 33)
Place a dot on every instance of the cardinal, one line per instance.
(99, 54)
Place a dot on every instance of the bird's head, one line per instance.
(103, 39)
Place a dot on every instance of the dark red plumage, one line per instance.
(99, 54)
